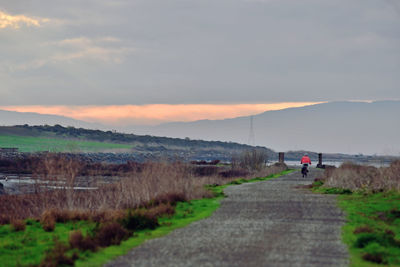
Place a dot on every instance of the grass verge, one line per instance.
(26, 248)
(22, 248)
(372, 231)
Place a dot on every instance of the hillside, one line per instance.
(8, 118)
(337, 127)
(72, 139)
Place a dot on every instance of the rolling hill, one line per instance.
(10, 118)
(336, 127)
(134, 147)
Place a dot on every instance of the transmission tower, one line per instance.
(252, 137)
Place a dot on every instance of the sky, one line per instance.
(151, 61)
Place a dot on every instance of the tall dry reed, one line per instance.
(359, 177)
(57, 178)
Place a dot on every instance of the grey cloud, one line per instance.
(205, 51)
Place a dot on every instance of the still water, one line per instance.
(338, 163)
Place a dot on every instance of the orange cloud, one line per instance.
(7, 20)
(155, 113)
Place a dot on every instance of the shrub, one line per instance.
(79, 215)
(139, 220)
(234, 173)
(57, 256)
(205, 170)
(364, 239)
(48, 221)
(18, 225)
(363, 229)
(384, 239)
(77, 240)
(111, 234)
(375, 253)
(4, 219)
(160, 210)
(359, 177)
(171, 198)
(62, 216)
(252, 159)
(394, 214)
(338, 191)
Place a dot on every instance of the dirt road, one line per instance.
(269, 223)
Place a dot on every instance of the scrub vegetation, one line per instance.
(371, 199)
(66, 226)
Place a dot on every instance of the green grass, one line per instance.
(373, 225)
(379, 212)
(28, 247)
(35, 144)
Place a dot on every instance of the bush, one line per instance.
(111, 234)
(205, 170)
(107, 216)
(161, 210)
(364, 239)
(18, 225)
(137, 220)
(77, 240)
(48, 221)
(375, 253)
(384, 239)
(359, 177)
(57, 256)
(252, 160)
(338, 191)
(234, 173)
(171, 198)
(4, 219)
(363, 229)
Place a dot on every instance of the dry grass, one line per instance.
(78, 241)
(111, 234)
(48, 221)
(57, 256)
(18, 225)
(148, 185)
(358, 177)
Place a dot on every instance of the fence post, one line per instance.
(319, 165)
(281, 157)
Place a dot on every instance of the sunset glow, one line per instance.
(7, 20)
(155, 113)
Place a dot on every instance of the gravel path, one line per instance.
(269, 223)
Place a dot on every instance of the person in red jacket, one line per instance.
(305, 160)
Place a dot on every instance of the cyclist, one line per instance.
(305, 160)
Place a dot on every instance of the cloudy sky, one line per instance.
(120, 60)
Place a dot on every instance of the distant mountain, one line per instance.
(9, 118)
(336, 127)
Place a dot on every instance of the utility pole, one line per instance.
(252, 137)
